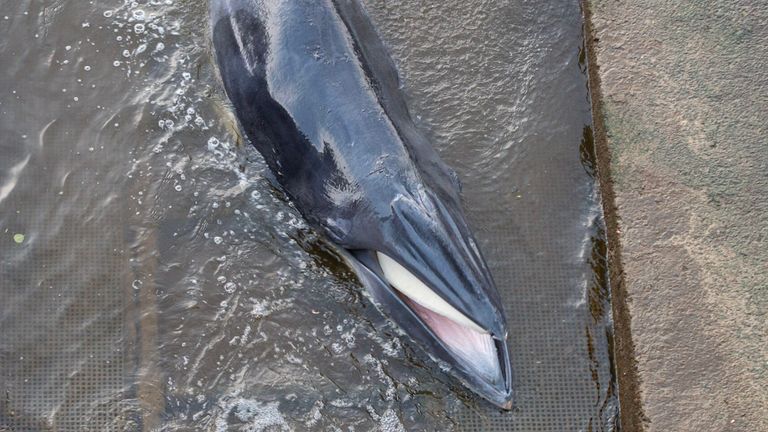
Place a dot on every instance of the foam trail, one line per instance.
(13, 175)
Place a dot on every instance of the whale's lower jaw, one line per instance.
(467, 340)
(479, 360)
(477, 350)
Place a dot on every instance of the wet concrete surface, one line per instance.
(683, 109)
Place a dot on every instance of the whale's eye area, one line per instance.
(463, 336)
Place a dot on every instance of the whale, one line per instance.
(315, 90)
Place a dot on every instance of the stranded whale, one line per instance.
(315, 91)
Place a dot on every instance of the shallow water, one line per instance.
(152, 278)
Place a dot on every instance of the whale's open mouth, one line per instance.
(475, 346)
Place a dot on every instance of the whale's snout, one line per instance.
(470, 342)
(430, 278)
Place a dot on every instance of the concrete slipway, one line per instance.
(681, 106)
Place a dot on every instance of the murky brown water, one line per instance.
(152, 279)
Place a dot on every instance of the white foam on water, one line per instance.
(390, 422)
(258, 416)
(391, 392)
(315, 415)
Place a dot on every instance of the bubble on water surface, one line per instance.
(230, 287)
(213, 143)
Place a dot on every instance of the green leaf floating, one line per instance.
(18, 238)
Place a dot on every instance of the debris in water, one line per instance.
(18, 238)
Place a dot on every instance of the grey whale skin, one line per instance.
(316, 93)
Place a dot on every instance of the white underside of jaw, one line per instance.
(412, 287)
(463, 336)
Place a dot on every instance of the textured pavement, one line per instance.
(683, 106)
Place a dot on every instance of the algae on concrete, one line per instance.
(684, 105)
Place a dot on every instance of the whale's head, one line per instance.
(422, 267)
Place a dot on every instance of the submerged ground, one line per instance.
(151, 277)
